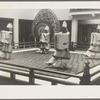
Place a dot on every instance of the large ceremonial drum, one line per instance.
(61, 41)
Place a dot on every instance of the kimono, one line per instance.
(94, 49)
(6, 40)
(62, 51)
(44, 41)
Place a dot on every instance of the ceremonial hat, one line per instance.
(46, 28)
(9, 25)
(98, 27)
(64, 24)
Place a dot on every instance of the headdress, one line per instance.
(98, 27)
(9, 25)
(46, 28)
(64, 24)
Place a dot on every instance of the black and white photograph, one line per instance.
(49, 44)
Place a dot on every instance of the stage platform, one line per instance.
(30, 58)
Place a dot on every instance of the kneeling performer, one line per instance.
(61, 45)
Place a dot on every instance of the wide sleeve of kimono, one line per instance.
(97, 39)
(47, 37)
(92, 38)
(68, 33)
(3, 36)
(8, 37)
(58, 33)
(0, 36)
(47, 34)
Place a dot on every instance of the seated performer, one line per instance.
(6, 40)
(94, 44)
(44, 41)
(61, 46)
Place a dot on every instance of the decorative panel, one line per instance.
(43, 18)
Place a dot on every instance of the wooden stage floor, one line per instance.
(32, 59)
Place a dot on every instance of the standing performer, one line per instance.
(6, 40)
(44, 41)
(61, 46)
(94, 44)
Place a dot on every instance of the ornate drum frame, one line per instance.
(45, 17)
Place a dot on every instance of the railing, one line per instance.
(47, 75)
(24, 45)
(29, 45)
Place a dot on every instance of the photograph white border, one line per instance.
(49, 4)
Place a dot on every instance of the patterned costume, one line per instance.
(61, 46)
(62, 52)
(44, 41)
(94, 49)
(6, 40)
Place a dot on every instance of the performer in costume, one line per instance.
(6, 40)
(44, 41)
(61, 45)
(94, 49)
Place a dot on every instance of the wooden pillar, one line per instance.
(54, 83)
(85, 80)
(31, 77)
(16, 32)
(12, 76)
(74, 30)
